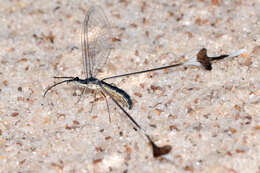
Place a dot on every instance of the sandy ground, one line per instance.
(210, 118)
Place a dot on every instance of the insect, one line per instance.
(95, 52)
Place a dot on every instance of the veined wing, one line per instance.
(96, 41)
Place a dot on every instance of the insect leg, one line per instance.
(107, 106)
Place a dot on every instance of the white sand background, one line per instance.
(210, 118)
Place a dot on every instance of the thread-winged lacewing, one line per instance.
(95, 52)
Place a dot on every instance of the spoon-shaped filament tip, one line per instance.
(158, 151)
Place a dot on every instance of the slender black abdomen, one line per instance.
(119, 94)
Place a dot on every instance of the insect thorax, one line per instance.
(90, 83)
(92, 86)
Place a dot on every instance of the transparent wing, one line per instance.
(96, 41)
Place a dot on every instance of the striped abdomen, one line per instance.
(119, 95)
